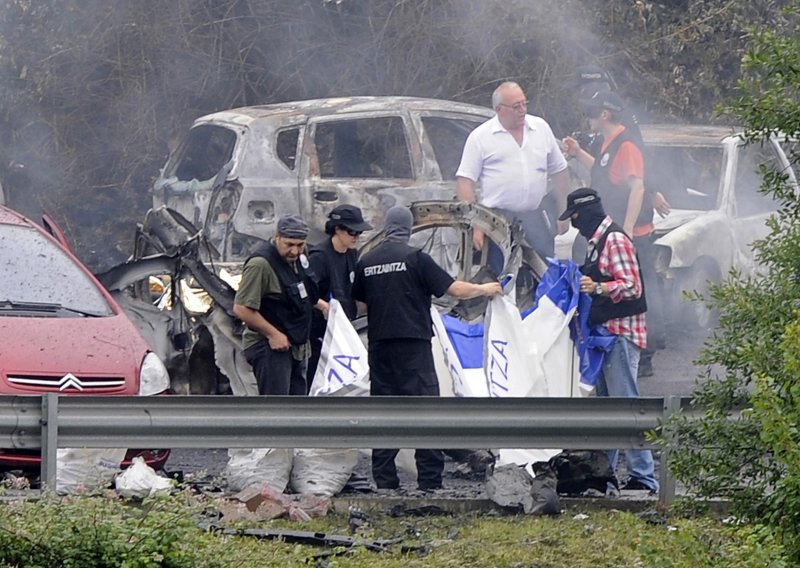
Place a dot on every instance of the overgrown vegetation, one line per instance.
(88, 532)
(754, 460)
(93, 91)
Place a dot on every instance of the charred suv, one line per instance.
(236, 172)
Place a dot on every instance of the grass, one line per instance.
(105, 531)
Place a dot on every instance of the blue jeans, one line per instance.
(619, 379)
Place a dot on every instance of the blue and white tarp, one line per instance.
(520, 355)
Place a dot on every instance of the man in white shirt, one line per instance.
(512, 156)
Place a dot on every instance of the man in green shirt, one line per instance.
(275, 300)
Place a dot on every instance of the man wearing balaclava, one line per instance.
(612, 276)
(396, 282)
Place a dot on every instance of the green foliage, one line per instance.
(86, 532)
(105, 532)
(746, 447)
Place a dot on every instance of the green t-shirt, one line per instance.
(259, 280)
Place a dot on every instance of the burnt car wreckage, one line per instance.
(190, 322)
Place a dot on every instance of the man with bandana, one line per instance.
(611, 274)
(396, 282)
(275, 300)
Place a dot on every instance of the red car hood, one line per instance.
(103, 353)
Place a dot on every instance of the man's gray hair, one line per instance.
(496, 95)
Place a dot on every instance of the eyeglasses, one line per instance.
(521, 105)
(353, 233)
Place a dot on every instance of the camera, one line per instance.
(585, 139)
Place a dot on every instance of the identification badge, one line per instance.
(301, 287)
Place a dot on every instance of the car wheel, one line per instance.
(696, 313)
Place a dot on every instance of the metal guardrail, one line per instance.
(52, 421)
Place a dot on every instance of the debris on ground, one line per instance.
(512, 487)
(263, 503)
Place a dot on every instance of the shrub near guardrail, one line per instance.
(86, 532)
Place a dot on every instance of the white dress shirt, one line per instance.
(512, 176)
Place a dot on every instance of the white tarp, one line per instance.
(343, 366)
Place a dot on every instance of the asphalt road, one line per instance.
(674, 371)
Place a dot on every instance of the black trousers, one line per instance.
(404, 367)
(277, 372)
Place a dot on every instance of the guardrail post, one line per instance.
(672, 404)
(49, 442)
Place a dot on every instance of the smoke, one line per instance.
(92, 90)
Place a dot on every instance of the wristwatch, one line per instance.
(598, 288)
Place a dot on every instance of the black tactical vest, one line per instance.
(603, 308)
(291, 313)
(615, 197)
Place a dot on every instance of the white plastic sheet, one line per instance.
(141, 480)
(343, 367)
(79, 470)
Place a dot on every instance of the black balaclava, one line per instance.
(397, 224)
(588, 218)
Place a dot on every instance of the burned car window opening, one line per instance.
(363, 148)
(207, 149)
(286, 146)
(32, 264)
(447, 137)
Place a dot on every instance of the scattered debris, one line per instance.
(263, 503)
(582, 470)
(307, 537)
(511, 486)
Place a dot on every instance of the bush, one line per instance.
(86, 532)
(747, 445)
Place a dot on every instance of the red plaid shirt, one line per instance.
(618, 260)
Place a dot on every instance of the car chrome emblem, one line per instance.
(70, 380)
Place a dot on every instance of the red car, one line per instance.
(61, 331)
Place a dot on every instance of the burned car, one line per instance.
(237, 171)
(710, 178)
(182, 297)
(62, 332)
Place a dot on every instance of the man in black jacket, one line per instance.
(275, 300)
(396, 281)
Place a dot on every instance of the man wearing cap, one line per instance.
(396, 282)
(512, 156)
(611, 275)
(333, 264)
(275, 299)
(591, 79)
(617, 173)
